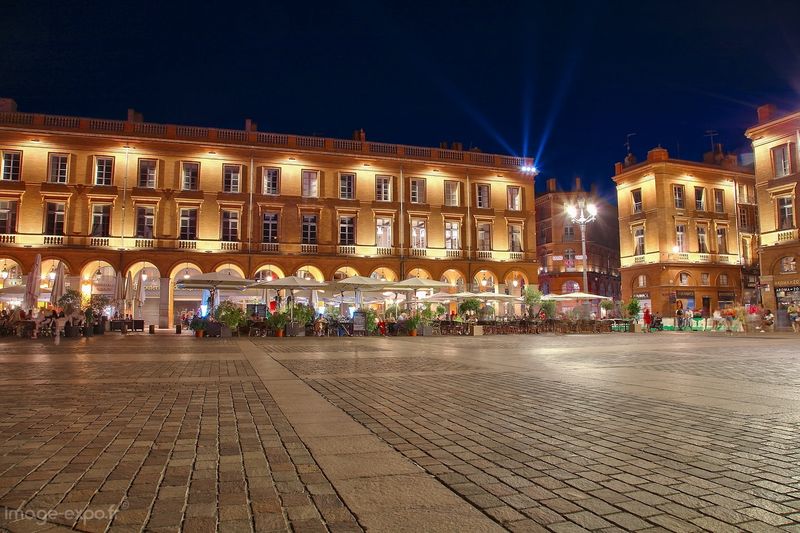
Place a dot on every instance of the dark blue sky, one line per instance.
(562, 81)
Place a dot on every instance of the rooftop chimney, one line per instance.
(551, 185)
(617, 168)
(134, 116)
(8, 105)
(443, 145)
(249, 125)
(578, 184)
(657, 154)
(455, 145)
(630, 160)
(360, 135)
(766, 113)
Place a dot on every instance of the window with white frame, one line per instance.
(188, 222)
(59, 168)
(744, 218)
(683, 278)
(54, 218)
(383, 232)
(310, 183)
(680, 238)
(231, 178)
(8, 217)
(452, 235)
(101, 220)
(383, 188)
(702, 238)
(636, 201)
(12, 165)
(782, 160)
(103, 170)
(269, 227)
(347, 230)
(678, 196)
(514, 198)
(190, 172)
(638, 241)
(451, 193)
(309, 229)
(719, 201)
(270, 179)
(788, 265)
(722, 240)
(569, 233)
(705, 278)
(145, 221)
(485, 236)
(747, 193)
(148, 173)
(230, 225)
(347, 185)
(785, 212)
(482, 196)
(419, 233)
(700, 198)
(723, 280)
(417, 191)
(515, 237)
(641, 280)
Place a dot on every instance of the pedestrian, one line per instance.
(679, 315)
(648, 319)
(767, 321)
(793, 311)
(687, 318)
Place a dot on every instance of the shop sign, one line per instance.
(684, 294)
(641, 295)
(785, 283)
(726, 296)
(558, 258)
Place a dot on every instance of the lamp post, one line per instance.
(583, 214)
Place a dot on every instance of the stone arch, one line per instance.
(344, 271)
(310, 270)
(266, 270)
(418, 272)
(484, 280)
(384, 273)
(10, 271)
(231, 266)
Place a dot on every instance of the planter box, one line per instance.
(636, 328)
(72, 331)
(225, 331)
(88, 331)
(426, 331)
(296, 330)
(476, 330)
(99, 329)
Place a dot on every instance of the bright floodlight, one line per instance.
(528, 169)
(592, 209)
(572, 211)
(676, 249)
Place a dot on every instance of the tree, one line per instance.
(470, 305)
(632, 308)
(532, 297)
(230, 314)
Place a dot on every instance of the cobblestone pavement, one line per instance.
(662, 432)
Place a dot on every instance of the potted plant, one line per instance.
(88, 322)
(231, 316)
(412, 324)
(469, 306)
(198, 325)
(277, 322)
(70, 303)
(548, 308)
(426, 320)
(532, 297)
(632, 308)
(607, 306)
(371, 323)
(98, 303)
(302, 315)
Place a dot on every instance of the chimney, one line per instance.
(551, 185)
(578, 184)
(360, 135)
(657, 154)
(249, 125)
(8, 105)
(134, 116)
(617, 168)
(630, 160)
(766, 113)
(457, 146)
(443, 145)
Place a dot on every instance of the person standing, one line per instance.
(793, 311)
(648, 319)
(688, 316)
(679, 315)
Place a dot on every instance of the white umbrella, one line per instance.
(129, 294)
(357, 284)
(291, 282)
(17, 293)
(32, 287)
(215, 280)
(578, 296)
(59, 285)
(412, 284)
(140, 295)
(119, 291)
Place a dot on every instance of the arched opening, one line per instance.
(384, 273)
(268, 273)
(418, 273)
(455, 279)
(484, 281)
(151, 277)
(231, 268)
(310, 272)
(10, 273)
(570, 286)
(183, 301)
(98, 277)
(344, 273)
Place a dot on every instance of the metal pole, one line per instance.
(585, 258)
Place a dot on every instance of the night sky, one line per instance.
(563, 81)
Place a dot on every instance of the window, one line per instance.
(569, 287)
(309, 229)
(744, 219)
(347, 186)
(269, 227)
(59, 164)
(8, 217)
(683, 278)
(188, 224)
(231, 176)
(230, 225)
(514, 199)
(383, 188)
(678, 194)
(722, 240)
(417, 191)
(680, 238)
(723, 280)
(699, 199)
(638, 241)
(485, 236)
(101, 220)
(347, 230)
(719, 201)
(747, 194)
(782, 160)
(148, 173)
(310, 184)
(569, 233)
(11, 165)
(419, 233)
(145, 222)
(785, 213)
(569, 260)
(451, 196)
(270, 178)
(636, 198)
(191, 176)
(383, 232)
(788, 265)
(705, 278)
(482, 193)
(514, 238)
(641, 280)
(702, 239)
(452, 235)
(54, 218)
(103, 170)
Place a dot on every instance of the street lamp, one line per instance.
(581, 215)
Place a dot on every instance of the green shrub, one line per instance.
(470, 305)
(230, 314)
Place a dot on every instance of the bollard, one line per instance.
(124, 328)
(152, 329)
(177, 329)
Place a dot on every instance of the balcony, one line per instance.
(454, 254)
(418, 252)
(308, 248)
(101, 242)
(384, 250)
(346, 249)
(516, 256)
(187, 244)
(8, 238)
(230, 246)
(270, 247)
(779, 237)
(484, 254)
(144, 243)
(53, 240)
(681, 257)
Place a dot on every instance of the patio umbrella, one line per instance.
(215, 280)
(17, 292)
(59, 286)
(119, 292)
(357, 284)
(291, 283)
(32, 287)
(140, 295)
(128, 291)
(413, 284)
(583, 296)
